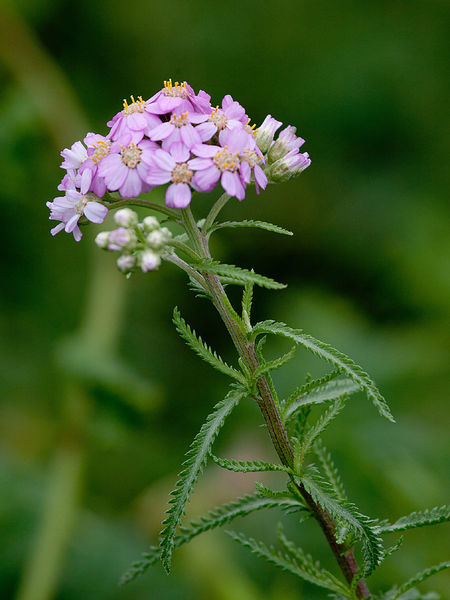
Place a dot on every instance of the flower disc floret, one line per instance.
(125, 168)
(134, 119)
(173, 167)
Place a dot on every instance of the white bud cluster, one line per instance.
(140, 243)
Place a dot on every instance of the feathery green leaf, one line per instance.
(256, 224)
(309, 573)
(237, 275)
(429, 516)
(192, 467)
(247, 298)
(322, 393)
(306, 562)
(315, 430)
(330, 470)
(330, 354)
(247, 466)
(216, 518)
(199, 347)
(359, 525)
(396, 591)
(274, 364)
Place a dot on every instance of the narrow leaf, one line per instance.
(330, 470)
(238, 275)
(216, 518)
(358, 524)
(429, 516)
(256, 224)
(274, 364)
(193, 465)
(247, 298)
(313, 432)
(285, 562)
(244, 466)
(330, 354)
(198, 345)
(396, 592)
(306, 562)
(323, 393)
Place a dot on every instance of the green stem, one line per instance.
(268, 406)
(215, 210)
(146, 204)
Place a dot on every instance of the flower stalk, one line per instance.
(266, 402)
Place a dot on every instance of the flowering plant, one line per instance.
(179, 140)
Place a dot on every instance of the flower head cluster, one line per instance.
(140, 244)
(177, 139)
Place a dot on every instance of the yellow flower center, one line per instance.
(177, 90)
(181, 173)
(135, 106)
(179, 120)
(219, 119)
(131, 155)
(102, 149)
(226, 160)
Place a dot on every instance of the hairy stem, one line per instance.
(345, 558)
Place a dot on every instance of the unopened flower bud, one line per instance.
(126, 262)
(102, 239)
(125, 217)
(166, 233)
(156, 238)
(266, 131)
(289, 166)
(286, 142)
(150, 224)
(149, 260)
(121, 238)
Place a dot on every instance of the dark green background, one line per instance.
(365, 84)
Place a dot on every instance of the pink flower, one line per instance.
(173, 166)
(231, 115)
(88, 177)
(178, 129)
(180, 97)
(126, 169)
(73, 157)
(232, 163)
(134, 119)
(69, 208)
(266, 131)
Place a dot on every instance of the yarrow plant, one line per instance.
(178, 140)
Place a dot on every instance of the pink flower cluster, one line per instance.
(176, 137)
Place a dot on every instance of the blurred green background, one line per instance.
(100, 399)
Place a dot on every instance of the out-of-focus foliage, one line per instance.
(367, 269)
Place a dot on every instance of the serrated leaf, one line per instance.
(429, 516)
(193, 465)
(322, 393)
(306, 561)
(397, 592)
(330, 470)
(274, 364)
(247, 298)
(330, 354)
(249, 223)
(238, 275)
(198, 345)
(361, 526)
(216, 518)
(247, 466)
(287, 563)
(313, 432)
